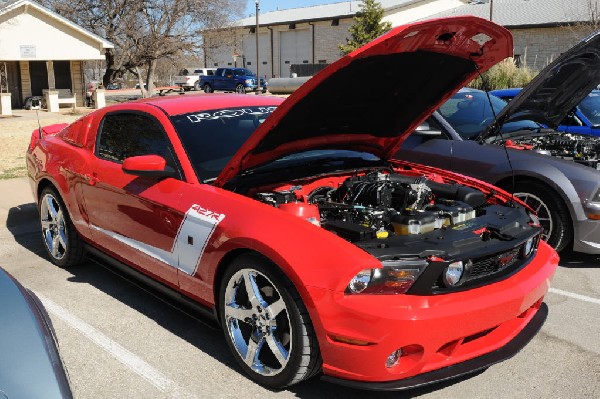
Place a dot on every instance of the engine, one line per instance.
(379, 205)
(576, 147)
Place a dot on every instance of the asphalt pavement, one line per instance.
(118, 340)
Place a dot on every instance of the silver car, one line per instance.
(556, 173)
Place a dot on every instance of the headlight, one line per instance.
(394, 277)
(248, 81)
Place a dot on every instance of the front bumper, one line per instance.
(357, 333)
(587, 236)
(457, 370)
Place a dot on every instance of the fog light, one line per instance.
(453, 273)
(393, 358)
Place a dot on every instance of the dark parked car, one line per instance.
(585, 118)
(30, 366)
(555, 173)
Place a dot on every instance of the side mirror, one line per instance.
(148, 166)
(425, 129)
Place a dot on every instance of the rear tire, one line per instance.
(266, 325)
(239, 88)
(61, 241)
(552, 212)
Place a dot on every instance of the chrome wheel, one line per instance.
(258, 322)
(240, 89)
(542, 210)
(54, 228)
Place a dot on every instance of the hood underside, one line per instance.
(557, 89)
(371, 99)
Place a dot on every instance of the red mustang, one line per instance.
(287, 219)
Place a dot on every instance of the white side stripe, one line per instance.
(575, 296)
(132, 361)
(197, 227)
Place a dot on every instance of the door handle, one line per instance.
(91, 179)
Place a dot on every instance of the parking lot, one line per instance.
(119, 340)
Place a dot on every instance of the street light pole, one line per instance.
(491, 8)
(257, 58)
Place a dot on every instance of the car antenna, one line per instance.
(40, 130)
(498, 130)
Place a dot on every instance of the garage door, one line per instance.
(295, 49)
(265, 53)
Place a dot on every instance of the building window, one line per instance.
(216, 64)
(305, 62)
(229, 63)
(292, 26)
(253, 30)
(287, 62)
(335, 22)
(264, 62)
(249, 63)
(322, 61)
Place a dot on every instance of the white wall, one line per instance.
(45, 38)
(421, 10)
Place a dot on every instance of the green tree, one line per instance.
(367, 26)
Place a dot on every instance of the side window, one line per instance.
(124, 135)
(227, 72)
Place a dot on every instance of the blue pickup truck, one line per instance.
(240, 80)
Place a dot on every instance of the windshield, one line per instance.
(243, 72)
(590, 107)
(211, 138)
(469, 113)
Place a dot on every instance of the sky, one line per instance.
(271, 5)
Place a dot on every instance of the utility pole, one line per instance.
(257, 54)
(491, 8)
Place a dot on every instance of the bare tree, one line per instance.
(146, 31)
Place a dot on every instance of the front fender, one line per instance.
(546, 173)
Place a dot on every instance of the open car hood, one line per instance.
(374, 97)
(557, 89)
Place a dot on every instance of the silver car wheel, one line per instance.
(54, 231)
(542, 211)
(257, 320)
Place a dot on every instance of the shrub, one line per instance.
(504, 75)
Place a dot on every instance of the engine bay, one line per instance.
(386, 213)
(579, 148)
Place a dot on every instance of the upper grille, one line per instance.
(490, 265)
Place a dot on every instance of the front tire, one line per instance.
(552, 212)
(207, 88)
(61, 241)
(266, 325)
(239, 88)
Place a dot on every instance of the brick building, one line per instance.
(542, 29)
(41, 50)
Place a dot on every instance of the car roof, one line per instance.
(184, 104)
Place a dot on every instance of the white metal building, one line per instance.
(307, 35)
